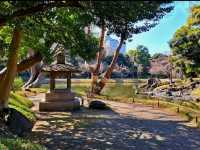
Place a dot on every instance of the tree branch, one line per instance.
(24, 64)
(37, 8)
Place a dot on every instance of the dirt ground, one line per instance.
(123, 127)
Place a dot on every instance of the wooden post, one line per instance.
(69, 81)
(178, 109)
(133, 99)
(52, 82)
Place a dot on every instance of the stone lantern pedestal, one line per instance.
(60, 99)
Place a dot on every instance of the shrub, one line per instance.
(18, 144)
(18, 83)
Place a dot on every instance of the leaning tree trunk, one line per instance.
(35, 71)
(109, 71)
(8, 79)
(32, 70)
(23, 65)
(95, 71)
(36, 77)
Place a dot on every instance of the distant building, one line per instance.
(111, 44)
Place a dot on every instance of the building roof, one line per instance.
(60, 68)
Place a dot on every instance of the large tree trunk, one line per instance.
(7, 81)
(95, 70)
(109, 71)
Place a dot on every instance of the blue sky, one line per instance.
(157, 38)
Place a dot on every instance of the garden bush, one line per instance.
(18, 83)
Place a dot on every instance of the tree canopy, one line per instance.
(141, 58)
(185, 44)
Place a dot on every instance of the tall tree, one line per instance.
(185, 43)
(7, 80)
(141, 57)
(125, 18)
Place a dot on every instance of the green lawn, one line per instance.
(18, 144)
(23, 105)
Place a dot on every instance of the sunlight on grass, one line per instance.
(196, 92)
(18, 144)
(23, 105)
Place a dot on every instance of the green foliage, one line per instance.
(65, 26)
(5, 39)
(18, 83)
(18, 144)
(141, 58)
(185, 44)
(125, 18)
(121, 60)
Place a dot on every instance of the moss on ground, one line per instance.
(196, 92)
(22, 100)
(18, 144)
(23, 105)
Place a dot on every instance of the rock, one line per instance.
(97, 105)
(18, 123)
(197, 100)
(152, 83)
(169, 93)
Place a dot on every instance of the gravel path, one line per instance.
(124, 127)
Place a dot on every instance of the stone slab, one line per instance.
(59, 97)
(59, 106)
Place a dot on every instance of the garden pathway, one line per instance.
(124, 127)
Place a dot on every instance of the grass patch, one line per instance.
(39, 90)
(22, 104)
(80, 89)
(21, 99)
(118, 90)
(18, 144)
(196, 92)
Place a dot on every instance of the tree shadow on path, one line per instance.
(106, 129)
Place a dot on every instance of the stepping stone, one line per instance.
(97, 105)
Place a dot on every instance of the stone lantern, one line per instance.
(60, 99)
